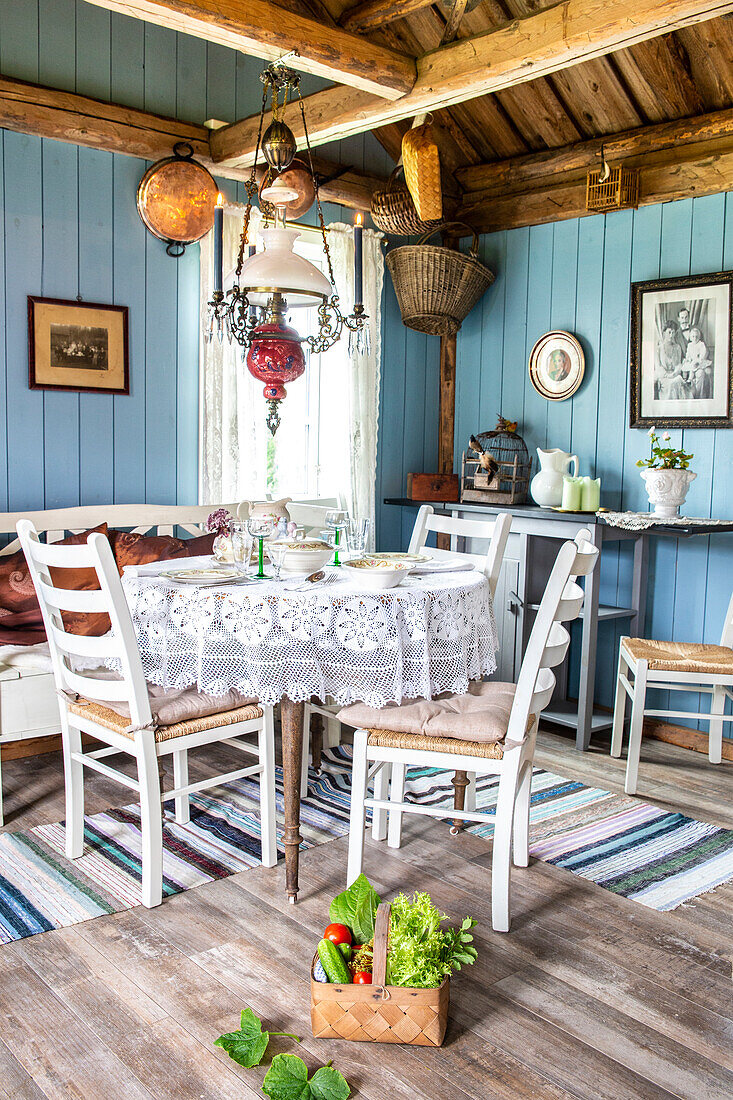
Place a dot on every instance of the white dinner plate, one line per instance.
(202, 576)
(416, 558)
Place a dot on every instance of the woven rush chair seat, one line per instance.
(692, 657)
(390, 739)
(118, 723)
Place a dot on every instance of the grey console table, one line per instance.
(531, 526)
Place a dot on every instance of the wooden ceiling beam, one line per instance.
(262, 29)
(483, 181)
(80, 120)
(668, 176)
(549, 41)
(372, 15)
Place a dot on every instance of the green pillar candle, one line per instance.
(571, 493)
(591, 494)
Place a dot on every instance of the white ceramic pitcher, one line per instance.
(546, 487)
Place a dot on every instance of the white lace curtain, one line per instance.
(232, 431)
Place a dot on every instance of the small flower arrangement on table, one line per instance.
(666, 475)
(662, 455)
(219, 524)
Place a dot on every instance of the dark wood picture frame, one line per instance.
(647, 296)
(42, 371)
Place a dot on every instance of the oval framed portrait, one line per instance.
(557, 365)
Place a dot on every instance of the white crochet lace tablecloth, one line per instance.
(432, 633)
(640, 521)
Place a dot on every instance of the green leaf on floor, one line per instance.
(248, 1045)
(287, 1079)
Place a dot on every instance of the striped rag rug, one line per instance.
(630, 847)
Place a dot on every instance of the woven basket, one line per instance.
(380, 1013)
(437, 287)
(422, 171)
(393, 210)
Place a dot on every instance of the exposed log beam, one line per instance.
(524, 173)
(540, 44)
(671, 174)
(45, 112)
(263, 29)
(373, 14)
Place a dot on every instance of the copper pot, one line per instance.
(297, 176)
(176, 199)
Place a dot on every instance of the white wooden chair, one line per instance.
(119, 711)
(496, 531)
(501, 721)
(28, 706)
(701, 668)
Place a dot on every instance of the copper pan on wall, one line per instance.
(176, 199)
(297, 176)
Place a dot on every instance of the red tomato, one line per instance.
(337, 933)
(362, 977)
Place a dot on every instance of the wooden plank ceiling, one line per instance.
(679, 75)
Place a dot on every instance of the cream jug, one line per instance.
(546, 487)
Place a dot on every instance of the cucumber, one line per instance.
(333, 963)
(345, 949)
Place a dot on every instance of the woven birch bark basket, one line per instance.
(380, 1013)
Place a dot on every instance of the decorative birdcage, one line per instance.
(612, 188)
(497, 467)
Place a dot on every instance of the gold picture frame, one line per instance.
(557, 365)
(77, 346)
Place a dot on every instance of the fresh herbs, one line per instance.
(421, 953)
(287, 1077)
(357, 909)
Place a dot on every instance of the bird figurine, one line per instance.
(486, 460)
(504, 425)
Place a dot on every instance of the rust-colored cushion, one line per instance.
(130, 548)
(482, 714)
(21, 622)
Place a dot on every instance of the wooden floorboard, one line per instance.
(590, 996)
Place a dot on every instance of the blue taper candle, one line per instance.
(358, 278)
(218, 242)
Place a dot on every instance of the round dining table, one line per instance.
(336, 642)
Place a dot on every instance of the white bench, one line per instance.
(28, 704)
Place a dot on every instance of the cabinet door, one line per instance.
(506, 612)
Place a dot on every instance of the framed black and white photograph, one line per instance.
(682, 352)
(79, 346)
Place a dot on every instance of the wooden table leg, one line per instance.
(291, 715)
(460, 782)
(316, 732)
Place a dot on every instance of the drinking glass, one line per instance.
(276, 552)
(259, 528)
(337, 521)
(241, 545)
(358, 535)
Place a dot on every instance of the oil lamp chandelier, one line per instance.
(270, 283)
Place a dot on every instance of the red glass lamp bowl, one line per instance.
(275, 357)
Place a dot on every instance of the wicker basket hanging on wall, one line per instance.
(393, 210)
(437, 287)
(422, 171)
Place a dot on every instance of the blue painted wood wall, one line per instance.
(575, 275)
(70, 227)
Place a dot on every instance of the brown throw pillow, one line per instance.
(199, 545)
(130, 548)
(21, 622)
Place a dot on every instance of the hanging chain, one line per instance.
(316, 189)
(251, 187)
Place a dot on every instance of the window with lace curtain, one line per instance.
(326, 444)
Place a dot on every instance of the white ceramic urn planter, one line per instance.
(667, 489)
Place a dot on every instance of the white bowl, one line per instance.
(377, 573)
(307, 556)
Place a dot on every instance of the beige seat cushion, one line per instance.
(480, 716)
(692, 657)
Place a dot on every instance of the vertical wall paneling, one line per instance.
(3, 357)
(22, 232)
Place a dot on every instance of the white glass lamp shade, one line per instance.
(279, 268)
